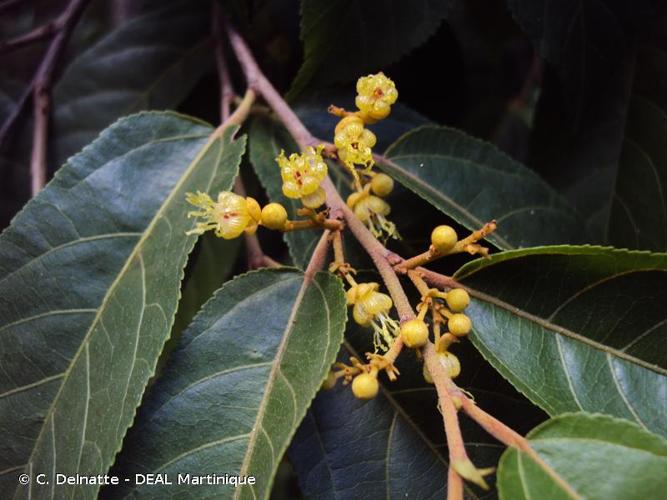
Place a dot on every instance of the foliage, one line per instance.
(131, 346)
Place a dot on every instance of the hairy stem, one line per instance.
(454, 485)
(457, 451)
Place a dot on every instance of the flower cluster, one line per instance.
(440, 314)
(354, 144)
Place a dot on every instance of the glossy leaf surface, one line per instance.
(576, 328)
(89, 282)
(238, 385)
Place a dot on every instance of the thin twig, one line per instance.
(40, 129)
(40, 88)
(455, 444)
(256, 258)
(256, 80)
(454, 485)
(384, 260)
(509, 437)
(467, 244)
(227, 93)
(42, 91)
(39, 33)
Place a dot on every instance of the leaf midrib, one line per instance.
(547, 325)
(569, 440)
(438, 194)
(273, 373)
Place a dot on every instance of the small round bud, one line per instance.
(329, 382)
(254, 209)
(457, 299)
(365, 386)
(414, 333)
(444, 238)
(459, 324)
(274, 216)
(347, 121)
(315, 199)
(354, 198)
(450, 363)
(382, 185)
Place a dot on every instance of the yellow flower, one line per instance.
(368, 302)
(375, 95)
(303, 173)
(372, 211)
(229, 216)
(354, 142)
(371, 308)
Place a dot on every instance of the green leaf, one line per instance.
(576, 328)
(583, 41)
(151, 62)
(212, 266)
(638, 217)
(212, 262)
(90, 273)
(473, 182)
(591, 456)
(344, 39)
(347, 448)
(242, 378)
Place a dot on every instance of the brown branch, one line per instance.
(256, 258)
(40, 131)
(40, 88)
(319, 256)
(437, 280)
(257, 81)
(458, 457)
(227, 93)
(449, 395)
(35, 35)
(509, 437)
(454, 485)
